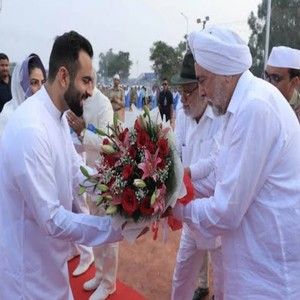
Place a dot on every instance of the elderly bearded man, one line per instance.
(256, 204)
(196, 133)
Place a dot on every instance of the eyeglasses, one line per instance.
(164, 83)
(187, 94)
(272, 78)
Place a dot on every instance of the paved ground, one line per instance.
(147, 265)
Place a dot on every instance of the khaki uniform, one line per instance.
(119, 95)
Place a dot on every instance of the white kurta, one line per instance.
(197, 144)
(37, 225)
(97, 110)
(256, 205)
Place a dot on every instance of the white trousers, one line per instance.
(106, 256)
(189, 260)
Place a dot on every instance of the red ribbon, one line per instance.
(190, 195)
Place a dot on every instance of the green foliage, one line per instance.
(284, 29)
(166, 59)
(111, 64)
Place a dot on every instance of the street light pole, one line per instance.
(267, 33)
(203, 22)
(187, 28)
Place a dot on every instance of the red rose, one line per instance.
(127, 171)
(129, 201)
(105, 141)
(132, 152)
(123, 134)
(163, 147)
(145, 207)
(111, 182)
(142, 139)
(110, 160)
(151, 147)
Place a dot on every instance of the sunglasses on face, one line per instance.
(164, 84)
(272, 78)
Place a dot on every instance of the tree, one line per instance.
(166, 59)
(284, 29)
(111, 64)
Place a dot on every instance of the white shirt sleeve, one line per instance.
(105, 116)
(204, 166)
(244, 162)
(35, 176)
(179, 133)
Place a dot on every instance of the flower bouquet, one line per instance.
(139, 173)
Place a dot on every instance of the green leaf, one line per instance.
(111, 210)
(99, 200)
(101, 132)
(102, 187)
(82, 190)
(115, 120)
(108, 197)
(84, 172)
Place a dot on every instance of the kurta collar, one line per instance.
(54, 112)
(239, 91)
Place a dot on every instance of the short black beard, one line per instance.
(72, 97)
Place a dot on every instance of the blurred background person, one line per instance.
(5, 80)
(165, 102)
(27, 78)
(116, 96)
(283, 71)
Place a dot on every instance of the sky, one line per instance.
(132, 26)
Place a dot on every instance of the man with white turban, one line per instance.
(283, 71)
(256, 204)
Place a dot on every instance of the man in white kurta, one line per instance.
(41, 171)
(98, 112)
(256, 204)
(196, 132)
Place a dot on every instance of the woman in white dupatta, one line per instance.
(28, 77)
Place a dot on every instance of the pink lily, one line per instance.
(150, 164)
(159, 204)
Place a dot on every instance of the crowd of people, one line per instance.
(238, 137)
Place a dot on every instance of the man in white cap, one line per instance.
(196, 131)
(116, 96)
(256, 203)
(283, 71)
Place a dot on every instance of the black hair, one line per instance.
(65, 53)
(3, 56)
(165, 79)
(294, 73)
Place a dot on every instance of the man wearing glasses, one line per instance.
(196, 132)
(283, 71)
(256, 203)
(165, 102)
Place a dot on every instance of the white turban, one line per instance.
(220, 51)
(284, 57)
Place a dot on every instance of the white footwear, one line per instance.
(92, 284)
(83, 267)
(102, 293)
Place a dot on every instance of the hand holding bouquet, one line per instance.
(139, 173)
